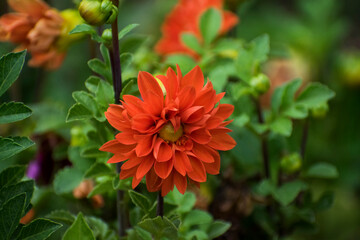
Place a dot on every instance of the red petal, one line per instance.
(203, 153)
(171, 84)
(219, 97)
(126, 138)
(147, 83)
(192, 114)
(214, 167)
(224, 111)
(117, 158)
(180, 182)
(182, 163)
(145, 166)
(114, 146)
(145, 144)
(222, 142)
(201, 136)
(131, 163)
(155, 106)
(167, 185)
(163, 169)
(206, 98)
(162, 151)
(126, 173)
(186, 97)
(198, 173)
(153, 182)
(135, 182)
(133, 105)
(143, 123)
(194, 78)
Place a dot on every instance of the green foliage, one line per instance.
(38, 229)
(140, 200)
(67, 179)
(322, 170)
(210, 23)
(123, 32)
(79, 230)
(13, 112)
(13, 145)
(191, 41)
(160, 228)
(10, 67)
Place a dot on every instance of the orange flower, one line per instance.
(38, 28)
(171, 139)
(184, 18)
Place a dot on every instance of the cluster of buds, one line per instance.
(98, 12)
(260, 83)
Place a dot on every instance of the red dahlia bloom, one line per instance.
(172, 138)
(184, 18)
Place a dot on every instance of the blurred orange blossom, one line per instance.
(42, 30)
(170, 139)
(184, 18)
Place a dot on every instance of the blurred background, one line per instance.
(315, 40)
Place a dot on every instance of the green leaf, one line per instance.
(98, 169)
(101, 68)
(10, 215)
(130, 88)
(92, 83)
(132, 44)
(62, 216)
(127, 29)
(104, 94)
(39, 229)
(314, 95)
(197, 217)
(282, 126)
(102, 187)
(242, 120)
(185, 62)
(121, 184)
(13, 145)
(89, 102)
(10, 67)
(191, 41)
(78, 112)
(98, 226)
(86, 29)
(184, 202)
(210, 23)
(322, 170)
(289, 191)
(283, 96)
(144, 235)
(79, 230)
(265, 187)
(92, 152)
(11, 175)
(13, 112)
(160, 228)
(66, 180)
(197, 234)
(218, 228)
(261, 48)
(13, 190)
(140, 200)
(245, 64)
(105, 54)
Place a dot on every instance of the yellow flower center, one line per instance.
(168, 133)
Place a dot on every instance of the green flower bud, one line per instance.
(78, 138)
(260, 83)
(97, 12)
(291, 163)
(107, 37)
(320, 110)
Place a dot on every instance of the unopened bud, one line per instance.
(291, 163)
(260, 83)
(320, 110)
(107, 37)
(98, 12)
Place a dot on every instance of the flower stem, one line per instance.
(264, 146)
(160, 206)
(114, 53)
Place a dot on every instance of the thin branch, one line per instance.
(160, 206)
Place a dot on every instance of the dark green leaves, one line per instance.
(38, 229)
(87, 29)
(10, 215)
(140, 200)
(314, 95)
(12, 112)
(210, 23)
(218, 228)
(79, 230)
(123, 32)
(66, 180)
(13, 145)
(160, 228)
(10, 67)
(11, 175)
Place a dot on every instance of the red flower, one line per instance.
(170, 139)
(184, 18)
